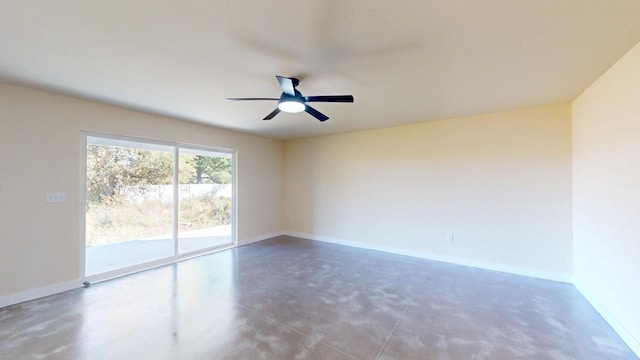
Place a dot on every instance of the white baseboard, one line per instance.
(28, 295)
(254, 239)
(437, 257)
(618, 327)
(39, 292)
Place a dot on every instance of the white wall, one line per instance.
(606, 195)
(501, 183)
(40, 151)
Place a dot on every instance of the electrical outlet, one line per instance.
(56, 197)
(450, 238)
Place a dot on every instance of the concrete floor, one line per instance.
(287, 298)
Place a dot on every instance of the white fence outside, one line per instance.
(137, 195)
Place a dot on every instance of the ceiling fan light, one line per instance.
(291, 106)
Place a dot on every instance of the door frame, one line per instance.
(176, 257)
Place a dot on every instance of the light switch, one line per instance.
(56, 197)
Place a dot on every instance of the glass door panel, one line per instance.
(205, 199)
(130, 204)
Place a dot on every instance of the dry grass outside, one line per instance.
(126, 221)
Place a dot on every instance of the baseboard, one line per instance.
(437, 257)
(616, 325)
(39, 293)
(254, 239)
(33, 294)
(628, 338)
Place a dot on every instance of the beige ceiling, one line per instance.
(403, 61)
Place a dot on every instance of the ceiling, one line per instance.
(403, 61)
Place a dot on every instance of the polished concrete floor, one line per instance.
(288, 298)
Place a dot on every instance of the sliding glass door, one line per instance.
(205, 199)
(149, 203)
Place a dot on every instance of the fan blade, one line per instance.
(315, 113)
(288, 85)
(330, 98)
(249, 99)
(272, 114)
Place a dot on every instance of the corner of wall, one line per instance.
(616, 325)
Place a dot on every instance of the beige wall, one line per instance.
(40, 152)
(501, 183)
(606, 192)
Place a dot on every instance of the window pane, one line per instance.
(129, 204)
(205, 200)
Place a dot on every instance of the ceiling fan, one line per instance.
(292, 100)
